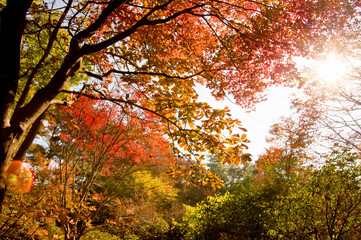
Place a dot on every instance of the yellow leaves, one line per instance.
(194, 127)
(196, 175)
(210, 138)
(184, 146)
(154, 186)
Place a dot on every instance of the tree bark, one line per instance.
(14, 126)
(12, 24)
(29, 138)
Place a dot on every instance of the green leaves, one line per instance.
(321, 202)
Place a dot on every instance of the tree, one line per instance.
(230, 175)
(334, 108)
(97, 149)
(325, 203)
(100, 165)
(150, 211)
(151, 55)
(337, 110)
(322, 203)
(245, 213)
(289, 147)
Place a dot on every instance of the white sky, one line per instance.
(256, 122)
(278, 103)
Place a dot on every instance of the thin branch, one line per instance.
(100, 77)
(41, 62)
(82, 9)
(120, 100)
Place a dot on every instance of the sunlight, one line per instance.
(19, 177)
(331, 69)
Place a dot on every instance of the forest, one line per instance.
(104, 135)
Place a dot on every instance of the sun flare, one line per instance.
(331, 69)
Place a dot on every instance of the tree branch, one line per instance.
(41, 62)
(100, 77)
(88, 49)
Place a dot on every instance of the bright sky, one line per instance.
(256, 122)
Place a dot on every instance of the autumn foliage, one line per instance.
(109, 91)
(150, 55)
(91, 168)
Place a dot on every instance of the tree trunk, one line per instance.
(12, 24)
(15, 126)
(29, 138)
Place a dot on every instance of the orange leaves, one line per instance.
(236, 47)
(105, 134)
(95, 147)
(148, 56)
(196, 175)
(203, 129)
